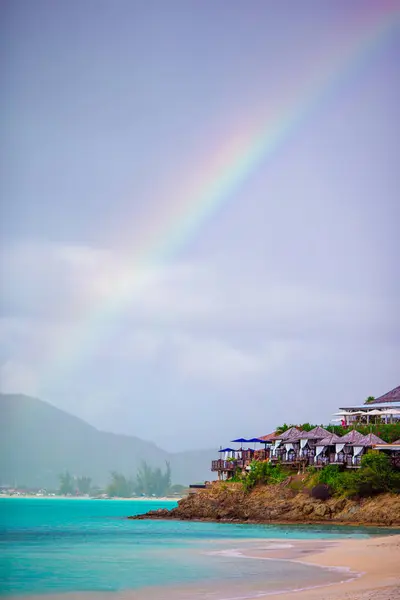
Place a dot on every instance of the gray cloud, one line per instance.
(282, 305)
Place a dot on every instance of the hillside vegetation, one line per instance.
(369, 495)
(389, 432)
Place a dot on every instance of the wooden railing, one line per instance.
(344, 459)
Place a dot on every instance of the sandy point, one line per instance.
(375, 563)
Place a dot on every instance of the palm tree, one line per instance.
(84, 484)
(67, 484)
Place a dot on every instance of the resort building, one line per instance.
(385, 409)
(318, 447)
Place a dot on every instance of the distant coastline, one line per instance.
(58, 497)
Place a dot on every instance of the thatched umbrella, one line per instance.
(292, 433)
(355, 440)
(287, 437)
(315, 434)
(330, 440)
(371, 439)
(353, 437)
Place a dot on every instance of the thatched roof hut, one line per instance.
(329, 440)
(290, 434)
(354, 438)
(317, 433)
(392, 396)
(371, 439)
(268, 438)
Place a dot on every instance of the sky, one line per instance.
(282, 302)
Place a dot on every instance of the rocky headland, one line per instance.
(280, 504)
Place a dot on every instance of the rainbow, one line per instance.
(230, 166)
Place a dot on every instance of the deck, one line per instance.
(293, 460)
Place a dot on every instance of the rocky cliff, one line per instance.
(280, 504)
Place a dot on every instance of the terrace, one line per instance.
(385, 409)
(319, 447)
(299, 449)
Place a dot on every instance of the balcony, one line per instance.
(227, 465)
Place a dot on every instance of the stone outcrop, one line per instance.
(280, 504)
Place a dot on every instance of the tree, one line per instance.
(282, 428)
(120, 486)
(153, 481)
(370, 400)
(67, 485)
(84, 484)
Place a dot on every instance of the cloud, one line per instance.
(212, 359)
(186, 324)
(71, 283)
(18, 378)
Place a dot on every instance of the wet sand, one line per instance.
(374, 562)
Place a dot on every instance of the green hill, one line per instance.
(39, 441)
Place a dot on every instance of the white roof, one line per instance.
(367, 407)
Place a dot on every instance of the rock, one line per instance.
(274, 503)
(321, 492)
(321, 510)
(308, 509)
(339, 505)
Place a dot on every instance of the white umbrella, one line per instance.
(391, 411)
(343, 413)
(374, 412)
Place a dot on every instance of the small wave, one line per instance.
(241, 552)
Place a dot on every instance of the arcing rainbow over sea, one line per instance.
(231, 164)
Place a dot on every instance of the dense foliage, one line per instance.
(120, 486)
(153, 481)
(261, 473)
(389, 432)
(376, 475)
(84, 484)
(148, 482)
(67, 483)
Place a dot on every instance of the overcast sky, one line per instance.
(284, 303)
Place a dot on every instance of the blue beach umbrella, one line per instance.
(227, 450)
(240, 440)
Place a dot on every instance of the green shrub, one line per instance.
(263, 473)
(375, 476)
(387, 432)
(331, 476)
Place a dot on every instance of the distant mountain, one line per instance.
(39, 441)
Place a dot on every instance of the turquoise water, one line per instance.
(56, 545)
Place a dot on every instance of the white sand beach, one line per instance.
(375, 563)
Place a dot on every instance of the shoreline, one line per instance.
(140, 499)
(279, 522)
(373, 562)
(370, 568)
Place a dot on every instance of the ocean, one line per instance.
(54, 546)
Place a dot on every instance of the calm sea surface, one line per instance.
(51, 546)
